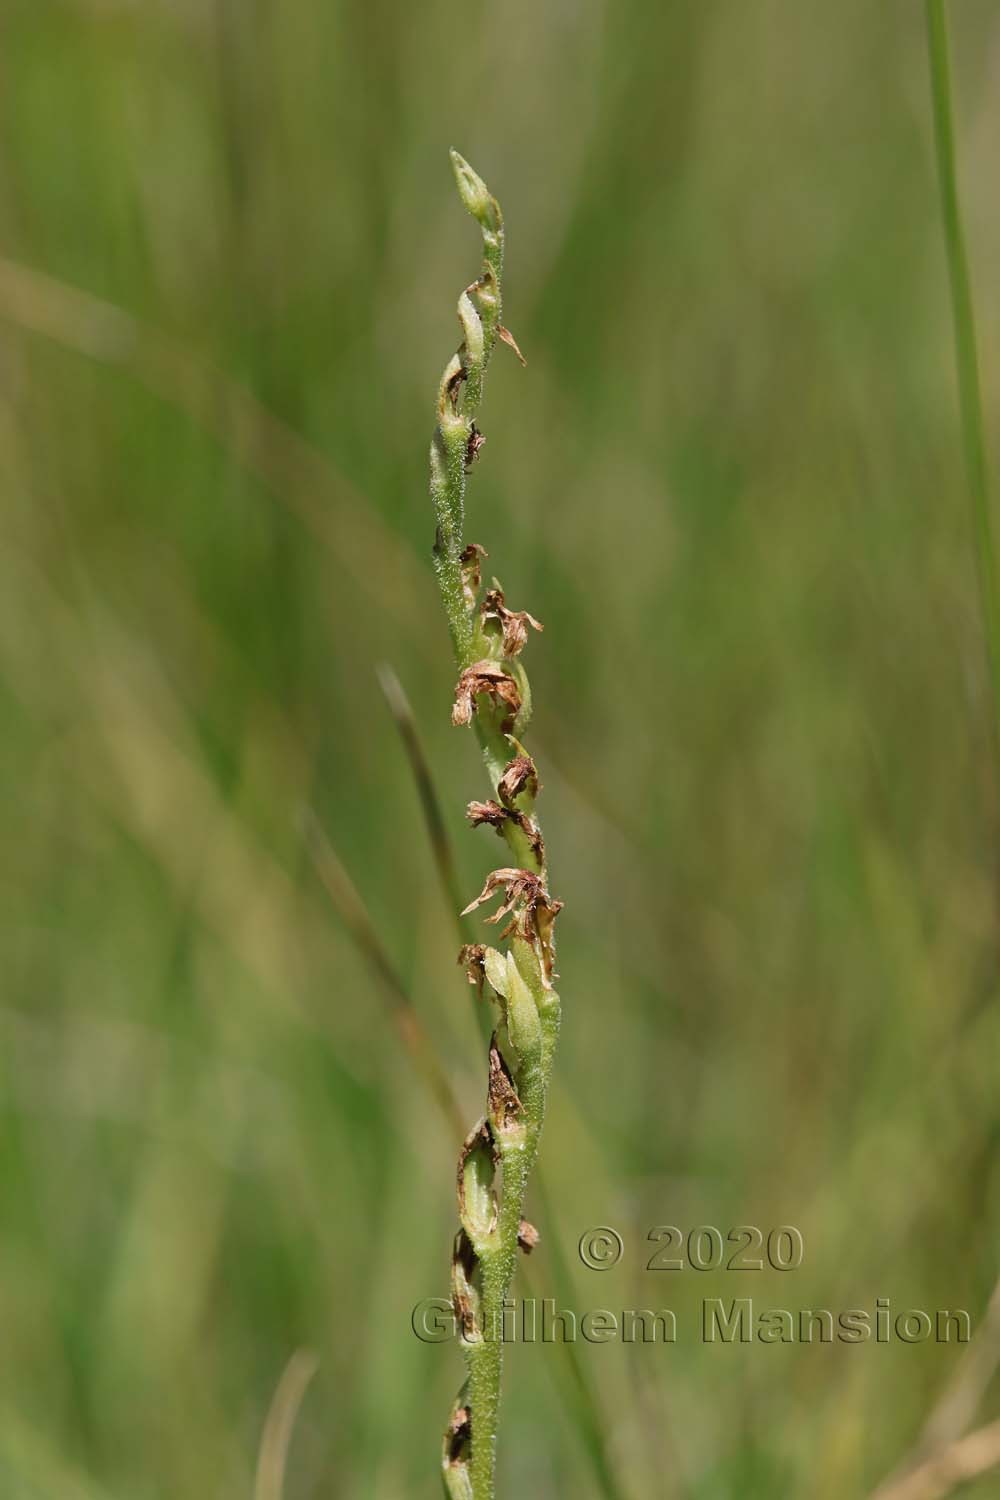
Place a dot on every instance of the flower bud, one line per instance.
(523, 1025)
(472, 332)
(477, 1206)
(475, 194)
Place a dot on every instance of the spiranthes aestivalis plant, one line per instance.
(515, 977)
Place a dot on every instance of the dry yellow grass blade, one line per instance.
(280, 1423)
(958, 1464)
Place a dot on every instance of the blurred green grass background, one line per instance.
(730, 484)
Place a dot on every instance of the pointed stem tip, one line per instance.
(475, 194)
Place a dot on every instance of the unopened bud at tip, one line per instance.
(475, 194)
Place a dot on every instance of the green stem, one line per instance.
(507, 1140)
(485, 1360)
(497, 1259)
(459, 396)
(966, 357)
(575, 1389)
(448, 449)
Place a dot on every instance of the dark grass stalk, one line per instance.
(430, 804)
(579, 1392)
(966, 353)
(355, 916)
(942, 1460)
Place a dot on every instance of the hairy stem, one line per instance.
(492, 690)
(575, 1388)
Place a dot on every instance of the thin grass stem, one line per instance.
(966, 353)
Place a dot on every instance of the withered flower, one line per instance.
(472, 573)
(465, 1297)
(498, 817)
(527, 1236)
(511, 343)
(532, 833)
(472, 447)
(486, 677)
(472, 956)
(457, 1441)
(527, 903)
(459, 1432)
(519, 776)
(519, 886)
(512, 623)
(459, 1425)
(545, 916)
(504, 1103)
(486, 812)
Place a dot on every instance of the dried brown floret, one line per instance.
(519, 776)
(498, 817)
(472, 447)
(533, 834)
(527, 902)
(527, 1236)
(511, 342)
(457, 1443)
(486, 812)
(518, 886)
(451, 382)
(459, 1428)
(490, 678)
(472, 573)
(512, 623)
(505, 1105)
(545, 916)
(472, 957)
(464, 1292)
